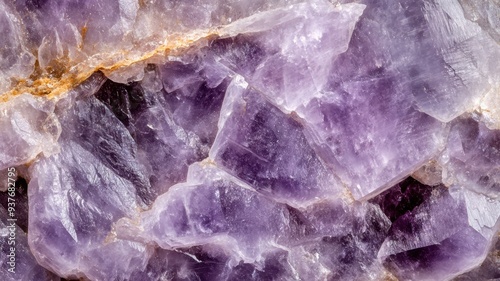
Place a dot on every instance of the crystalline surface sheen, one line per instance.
(250, 140)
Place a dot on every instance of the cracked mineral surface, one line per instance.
(240, 140)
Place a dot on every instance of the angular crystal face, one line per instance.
(250, 140)
(433, 236)
(267, 149)
(26, 265)
(472, 156)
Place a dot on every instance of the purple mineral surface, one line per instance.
(240, 140)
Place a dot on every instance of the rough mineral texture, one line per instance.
(217, 140)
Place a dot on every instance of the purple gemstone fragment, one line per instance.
(366, 123)
(21, 199)
(218, 210)
(267, 149)
(489, 269)
(367, 148)
(436, 237)
(172, 265)
(172, 118)
(211, 208)
(96, 157)
(94, 128)
(402, 198)
(290, 61)
(20, 263)
(341, 240)
(472, 156)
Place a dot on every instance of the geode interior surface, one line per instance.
(212, 140)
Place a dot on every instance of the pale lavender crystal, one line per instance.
(489, 269)
(24, 265)
(483, 13)
(88, 33)
(15, 59)
(340, 240)
(267, 149)
(29, 128)
(366, 123)
(219, 212)
(214, 207)
(72, 232)
(436, 232)
(293, 57)
(77, 194)
(472, 156)
(357, 105)
(171, 128)
(175, 265)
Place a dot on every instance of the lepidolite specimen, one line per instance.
(250, 140)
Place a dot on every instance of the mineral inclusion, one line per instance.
(250, 140)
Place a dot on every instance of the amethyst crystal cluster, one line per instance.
(250, 140)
